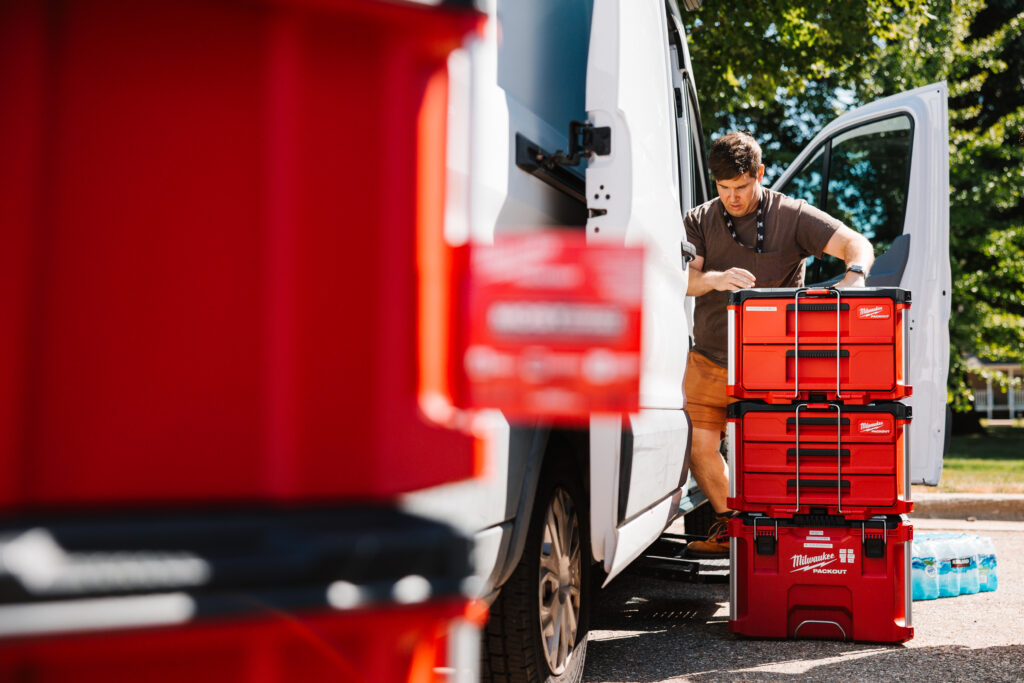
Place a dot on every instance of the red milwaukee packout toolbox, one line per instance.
(821, 577)
(839, 344)
(218, 219)
(824, 458)
(347, 594)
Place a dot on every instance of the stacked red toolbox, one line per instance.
(820, 464)
(838, 459)
(821, 577)
(864, 362)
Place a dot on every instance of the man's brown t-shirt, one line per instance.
(793, 230)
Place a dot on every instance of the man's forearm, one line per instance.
(859, 252)
(700, 282)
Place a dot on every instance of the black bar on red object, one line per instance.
(808, 307)
(819, 451)
(820, 483)
(817, 353)
(818, 421)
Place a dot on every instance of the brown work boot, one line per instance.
(716, 546)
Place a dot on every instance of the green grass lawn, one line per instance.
(992, 462)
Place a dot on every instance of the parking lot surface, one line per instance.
(655, 630)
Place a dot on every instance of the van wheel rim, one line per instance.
(560, 581)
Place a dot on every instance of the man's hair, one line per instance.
(733, 155)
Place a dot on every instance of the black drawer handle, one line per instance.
(817, 307)
(818, 421)
(817, 353)
(819, 451)
(819, 483)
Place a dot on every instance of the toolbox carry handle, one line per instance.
(817, 422)
(819, 483)
(796, 336)
(819, 621)
(817, 353)
(811, 308)
(843, 452)
(839, 483)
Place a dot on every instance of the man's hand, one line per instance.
(732, 279)
(723, 281)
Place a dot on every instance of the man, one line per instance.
(749, 236)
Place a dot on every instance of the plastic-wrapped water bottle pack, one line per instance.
(946, 564)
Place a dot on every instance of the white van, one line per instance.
(560, 511)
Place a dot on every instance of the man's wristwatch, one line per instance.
(857, 269)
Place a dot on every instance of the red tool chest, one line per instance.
(790, 344)
(837, 459)
(209, 282)
(821, 577)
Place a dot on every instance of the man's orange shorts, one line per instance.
(705, 393)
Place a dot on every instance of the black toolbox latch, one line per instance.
(766, 540)
(873, 539)
(765, 544)
(874, 546)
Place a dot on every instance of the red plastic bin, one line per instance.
(822, 458)
(239, 594)
(792, 344)
(217, 219)
(821, 578)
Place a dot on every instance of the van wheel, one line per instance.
(538, 625)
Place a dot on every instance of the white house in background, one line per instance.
(991, 399)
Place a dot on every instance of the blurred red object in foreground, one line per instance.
(553, 327)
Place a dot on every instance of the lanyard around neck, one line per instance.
(760, 224)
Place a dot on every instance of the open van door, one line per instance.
(883, 169)
(638, 462)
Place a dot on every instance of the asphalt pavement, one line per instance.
(654, 630)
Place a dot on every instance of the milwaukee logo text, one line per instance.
(818, 564)
(875, 427)
(873, 313)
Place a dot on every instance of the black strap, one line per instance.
(760, 223)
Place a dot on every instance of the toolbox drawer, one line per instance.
(855, 495)
(780, 373)
(820, 423)
(816, 458)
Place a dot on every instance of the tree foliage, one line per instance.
(782, 68)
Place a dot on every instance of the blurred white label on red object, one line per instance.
(552, 327)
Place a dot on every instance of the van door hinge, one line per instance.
(584, 140)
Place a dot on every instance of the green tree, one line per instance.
(778, 68)
(823, 59)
